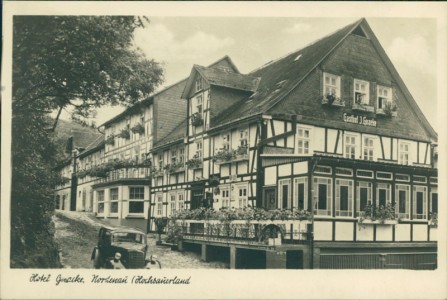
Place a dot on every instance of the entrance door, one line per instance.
(197, 197)
(270, 198)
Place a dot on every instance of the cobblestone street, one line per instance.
(76, 233)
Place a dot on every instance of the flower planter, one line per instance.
(378, 222)
(359, 107)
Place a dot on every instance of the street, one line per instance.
(77, 233)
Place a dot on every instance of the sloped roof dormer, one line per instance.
(222, 76)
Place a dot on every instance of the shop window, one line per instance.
(303, 141)
(136, 200)
(419, 202)
(114, 200)
(284, 194)
(361, 92)
(300, 190)
(343, 198)
(403, 152)
(363, 196)
(322, 196)
(331, 85)
(402, 198)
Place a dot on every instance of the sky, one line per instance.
(180, 42)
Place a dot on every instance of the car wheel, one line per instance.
(97, 259)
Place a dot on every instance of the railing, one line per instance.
(125, 173)
(242, 232)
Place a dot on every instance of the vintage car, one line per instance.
(130, 243)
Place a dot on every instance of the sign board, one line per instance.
(360, 120)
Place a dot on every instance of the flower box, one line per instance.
(332, 100)
(196, 119)
(361, 107)
(125, 134)
(378, 222)
(138, 128)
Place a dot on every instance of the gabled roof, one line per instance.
(93, 146)
(176, 135)
(221, 77)
(281, 76)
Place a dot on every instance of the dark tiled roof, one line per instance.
(226, 78)
(95, 145)
(280, 77)
(177, 134)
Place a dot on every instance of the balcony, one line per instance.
(175, 168)
(137, 173)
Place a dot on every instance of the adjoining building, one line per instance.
(330, 128)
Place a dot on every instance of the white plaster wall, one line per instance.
(270, 176)
(300, 168)
(322, 231)
(365, 233)
(284, 170)
(402, 232)
(344, 231)
(419, 232)
(384, 233)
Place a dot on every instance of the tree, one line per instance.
(61, 62)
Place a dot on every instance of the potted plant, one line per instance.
(196, 119)
(390, 109)
(138, 128)
(110, 140)
(194, 163)
(385, 215)
(125, 134)
(224, 155)
(433, 219)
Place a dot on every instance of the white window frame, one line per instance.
(226, 140)
(113, 201)
(361, 95)
(173, 202)
(181, 200)
(315, 198)
(387, 188)
(366, 147)
(302, 140)
(132, 198)
(100, 199)
(331, 85)
(353, 147)
(199, 150)
(242, 195)
(404, 152)
(243, 137)
(367, 185)
(424, 215)
(384, 96)
(173, 155)
(199, 105)
(434, 190)
(405, 188)
(297, 181)
(338, 184)
(181, 154)
(281, 183)
(159, 201)
(225, 196)
(199, 84)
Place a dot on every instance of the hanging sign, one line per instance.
(360, 120)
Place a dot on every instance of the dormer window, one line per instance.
(361, 92)
(199, 84)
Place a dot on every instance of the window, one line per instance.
(343, 172)
(403, 152)
(284, 194)
(402, 177)
(365, 174)
(421, 179)
(384, 96)
(226, 141)
(323, 170)
(300, 190)
(114, 200)
(199, 84)
(199, 107)
(225, 197)
(100, 197)
(419, 202)
(434, 201)
(343, 197)
(383, 194)
(402, 197)
(173, 156)
(243, 138)
(181, 201)
(368, 148)
(384, 175)
(350, 146)
(364, 196)
(136, 200)
(160, 161)
(199, 149)
(361, 92)
(242, 196)
(173, 203)
(181, 155)
(303, 141)
(322, 196)
(159, 204)
(331, 85)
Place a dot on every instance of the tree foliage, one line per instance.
(60, 62)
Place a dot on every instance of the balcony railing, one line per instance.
(125, 173)
(268, 233)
